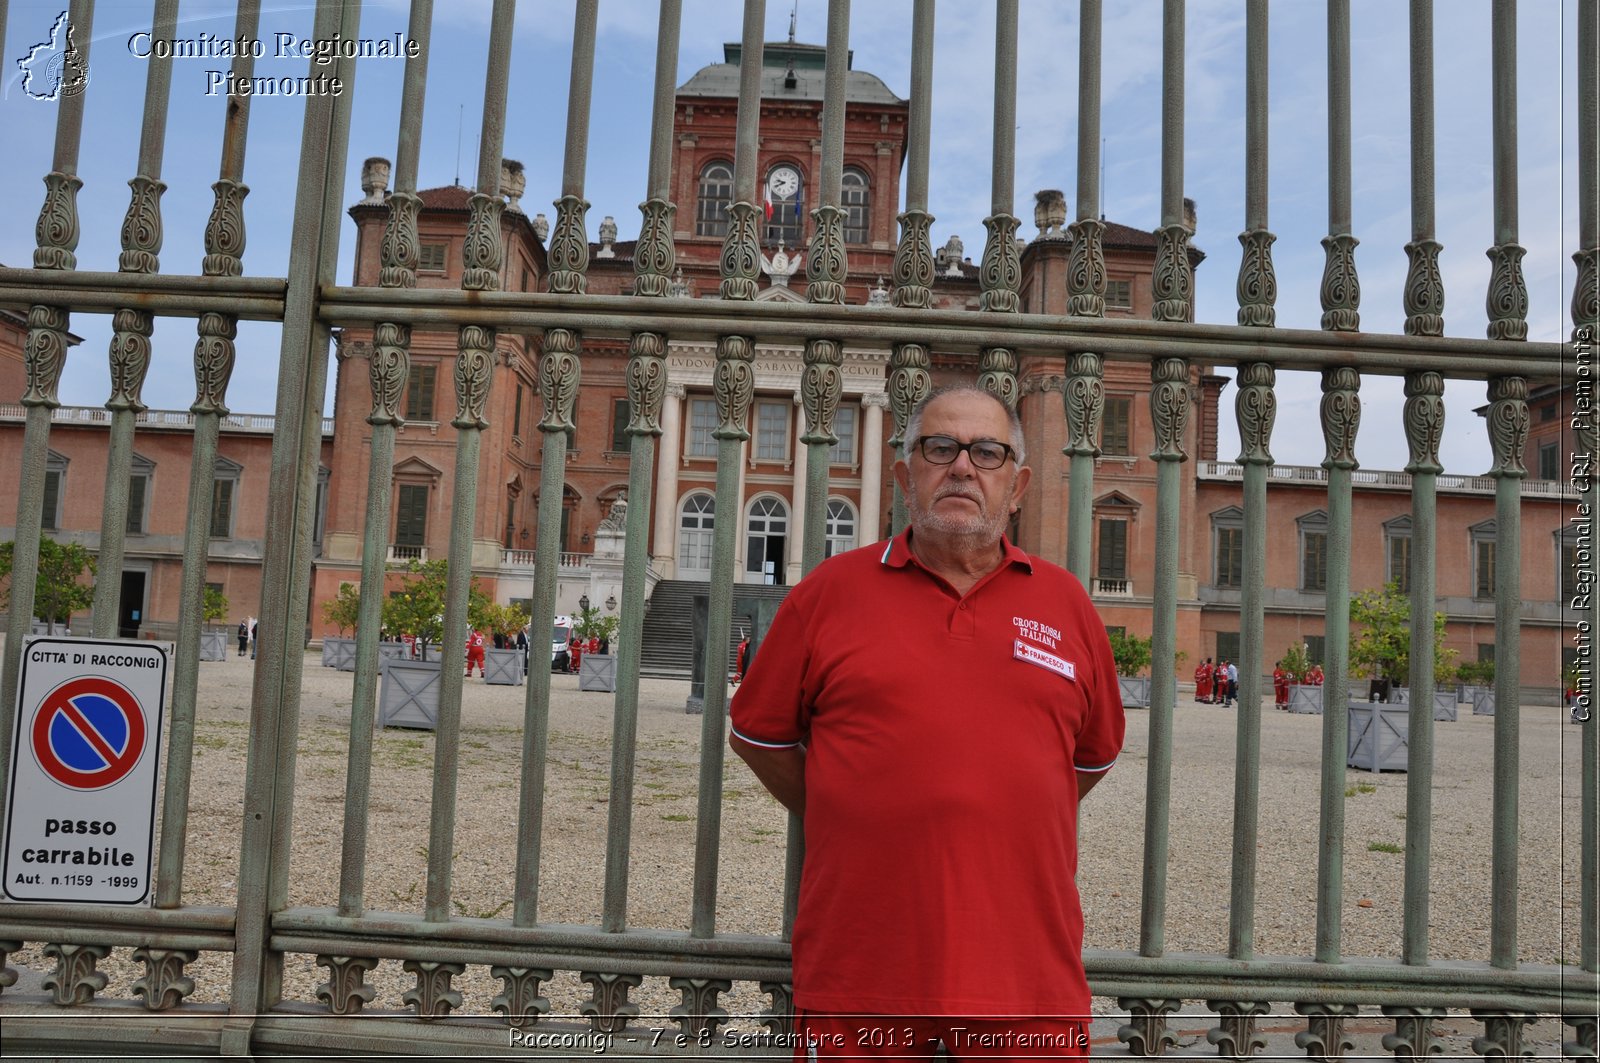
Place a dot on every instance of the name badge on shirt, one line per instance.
(1032, 654)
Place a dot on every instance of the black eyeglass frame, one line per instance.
(921, 443)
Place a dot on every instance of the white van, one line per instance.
(560, 637)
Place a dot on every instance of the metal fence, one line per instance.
(260, 929)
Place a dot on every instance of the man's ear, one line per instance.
(902, 476)
(1024, 474)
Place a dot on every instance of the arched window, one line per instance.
(695, 522)
(857, 207)
(841, 527)
(716, 195)
(766, 535)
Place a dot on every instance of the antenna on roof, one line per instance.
(794, 12)
(460, 112)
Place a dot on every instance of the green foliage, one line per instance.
(1130, 652)
(505, 620)
(417, 608)
(215, 605)
(1476, 673)
(57, 592)
(1296, 662)
(1385, 847)
(1382, 644)
(343, 610)
(588, 623)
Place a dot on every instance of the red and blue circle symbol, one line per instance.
(89, 733)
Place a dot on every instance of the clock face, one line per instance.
(784, 182)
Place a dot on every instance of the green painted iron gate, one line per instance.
(437, 943)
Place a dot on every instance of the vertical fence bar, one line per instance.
(213, 366)
(1424, 423)
(44, 356)
(913, 257)
(1084, 396)
(1586, 329)
(654, 259)
(733, 385)
(389, 367)
(275, 693)
(1000, 273)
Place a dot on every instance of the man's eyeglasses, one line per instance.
(983, 453)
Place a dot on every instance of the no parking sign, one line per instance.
(80, 811)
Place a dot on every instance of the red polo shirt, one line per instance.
(941, 733)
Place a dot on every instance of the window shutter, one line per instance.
(136, 491)
(222, 509)
(52, 498)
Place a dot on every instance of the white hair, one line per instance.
(914, 421)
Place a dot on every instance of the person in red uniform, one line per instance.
(1202, 680)
(932, 906)
(475, 651)
(1280, 685)
(1315, 676)
(574, 653)
(739, 659)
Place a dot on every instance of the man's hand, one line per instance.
(781, 771)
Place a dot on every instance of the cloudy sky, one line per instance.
(959, 194)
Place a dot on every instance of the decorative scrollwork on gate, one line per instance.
(997, 374)
(1584, 1046)
(1424, 420)
(733, 383)
(56, 232)
(654, 255)
(401, 251)
(389, 366)
(163, 985)
(778, 1017)
(130, 358)
(1507, 298)
(609, 1009)
(1236, 1037)
(1084, 399)
(1172, 283)
(8, 975)
(647, 382)
(141, 227)
(44, 354)
(909, 381)
(741, 253)
(1169, 408)
(346, 991)
(1341, 288)
(1257, 287)
(1413, 1032)
(913, 261)
(481, 253)
(520, 1000)
(1424, 291)
(569, 247)
(1502, 1034)
(1508, 424)
(74, 979)
(225, 230)
(214, 355)
(1000, 273)
(559, 374)
(699, 1015)
(432, 998)
(820, 388)
(1145, 1033)
(1086, 268)
(1257, 410)
(1341, 416)
(1324, 1038)
(1586, 295)
(474, 373)
(827, 263)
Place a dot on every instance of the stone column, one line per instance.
(872, 407)
(797, 509)
(668, 456)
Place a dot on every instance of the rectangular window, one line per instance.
(702, 422)
(772, 431)
(1314, 561)
(430, 258)
(1228, 646)
(138, 486)
(516, 414)
(619, 424)
(411, 523)
(1119, 295)
(1115, 437)
(1113, 562)
(1485, 651)
(1549, 461)
(1230, 557)
(52, 500)
(1483, 568)
(844, 426)
(1400, 561)
(419, 393)
(1316, 649)
(222, 507)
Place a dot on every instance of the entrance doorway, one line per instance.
(130, 610)
(766, 534)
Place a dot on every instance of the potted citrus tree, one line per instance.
(504, 667)
(1131, 654)
(341, 611)
(214, 643)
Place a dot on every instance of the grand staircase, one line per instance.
(668, 648)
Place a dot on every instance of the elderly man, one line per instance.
(938, 772)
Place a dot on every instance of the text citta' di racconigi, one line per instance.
(320, 51)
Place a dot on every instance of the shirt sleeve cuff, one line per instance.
(1094, 769)
(765, 744)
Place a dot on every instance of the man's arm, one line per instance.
(782, 771)
(1086, 782)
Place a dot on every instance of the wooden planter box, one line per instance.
(213, 645)
(336, 651)
(596, 672)
(1378, 736)
(408, 694)
(393, 651)
(1305, 698)
(1483, 701)
(502, 667)
(1444, 705)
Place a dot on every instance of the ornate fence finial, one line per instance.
(225, 230)
(1424, 420)
(1084, 398)
(1424, 292)
(654, 256)
(1341, 416)
(569, 247)
(401, 250)
(141, 227)
(214, 355)
(1086, 268)
(647, 382)
(56, 232)
(130, 358)
(1257, 287)
(1169, 408)
(1508, 424)
(474, 373)
(909, 381)
(389, 368)
(997, 372)
(1586, 296)
(1341, 288)
(1507, 299)
(913, 261)
(1172, 283)
(44, 355)
(1256, 409)
(820, 388)
(559, 374)
(1000, 273)
(827, 263)
(733, 383)
(481, 253)
(741, 254)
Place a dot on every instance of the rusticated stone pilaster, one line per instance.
(654, 255)
(44, 354)
(609, 1009)
(432, 998)
(559, 374)
(997, 373)
(1507, 300)
(699, 1015)
(225, 230)
(1169, 408)
(1172, 283)
(1413, 1032)
(1324, 1038)
(130, 358)
(473, 374)
(141, 227)
(779, 1017)
(1257, 287)
(741, 254)
(569, 247)
(1424, 420)
(56, 232)
(481, 253)
(909, 381)
(1508, 425)
(1341, 288)
(1424, 292)
(1086, 268)
(647, 382)
(401, 249)
(1236, 1036)
(1256, 409)
(1502, 1034)
(1084, 398)
(1145, 1033)
(389, 367)
(214, 355)
(74, 979)
(163, 985)
(1586, 295)
(820, 388)
(733, 383)
(913, 261)
(1341, 416)
(827, 263)
(520, 1001)
(346, 991)
(1000, 273)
